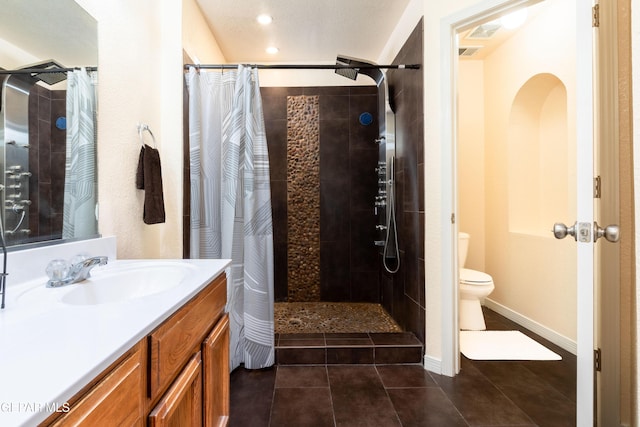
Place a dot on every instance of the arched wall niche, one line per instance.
(538, 156)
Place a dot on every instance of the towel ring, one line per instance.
(141, 129)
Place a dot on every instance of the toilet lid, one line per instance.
(473, 277)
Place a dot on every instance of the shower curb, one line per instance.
(348, 348)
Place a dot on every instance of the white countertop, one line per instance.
(49, 349)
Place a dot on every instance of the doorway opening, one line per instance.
(511, 92)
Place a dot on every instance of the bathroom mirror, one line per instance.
(39, 33)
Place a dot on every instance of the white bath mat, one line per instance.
(503, 345)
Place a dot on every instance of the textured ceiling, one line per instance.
(60, 30)
(303, 30)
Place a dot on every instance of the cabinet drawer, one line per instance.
(176, 340)
(117, 399)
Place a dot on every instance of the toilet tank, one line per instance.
(463, 248)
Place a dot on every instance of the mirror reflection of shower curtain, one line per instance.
(231, 203)
(79, 214)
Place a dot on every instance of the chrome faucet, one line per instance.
(78, 271)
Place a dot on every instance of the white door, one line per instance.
(584, 225)
(585, 211)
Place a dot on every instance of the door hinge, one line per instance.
(597, 187)
(596, 16)
(597, 360)
(453, 218)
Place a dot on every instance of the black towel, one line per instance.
(149, 179)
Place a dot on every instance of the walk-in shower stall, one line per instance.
(20, 153)
(338, 173)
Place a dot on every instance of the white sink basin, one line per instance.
(118, 281)
(122, 283)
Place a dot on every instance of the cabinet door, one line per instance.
(181, 405)
(215, 354)
(117, 400)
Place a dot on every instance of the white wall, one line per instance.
(471, 159)
(140, 81)
(534, 274)
(197, 40)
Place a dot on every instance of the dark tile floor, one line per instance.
(483, 394)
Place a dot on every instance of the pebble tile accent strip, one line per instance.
(303, 197)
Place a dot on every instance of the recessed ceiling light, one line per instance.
(272, 50)
(264, 19)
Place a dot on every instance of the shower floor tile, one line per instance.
(329, 317)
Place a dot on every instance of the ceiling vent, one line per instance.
(468, 51)
(484, 31)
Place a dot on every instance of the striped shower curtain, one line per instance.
(80, 184)
(231, 203)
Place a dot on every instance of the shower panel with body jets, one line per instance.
(14, 158)
(385, 199)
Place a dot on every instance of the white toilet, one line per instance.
(474, 287)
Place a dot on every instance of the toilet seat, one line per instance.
(474, 277)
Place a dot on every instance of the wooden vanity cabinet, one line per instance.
(117, 399)
(177, 346)
(177, 376)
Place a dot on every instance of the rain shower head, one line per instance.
(355, 66)
(350, 73)
(51, 76)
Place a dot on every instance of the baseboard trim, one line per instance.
(556, 338)
(432, 364)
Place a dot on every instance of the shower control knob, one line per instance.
(560, 231)
(611, 232)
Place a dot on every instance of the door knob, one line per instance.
(610, 232)
(560, 231)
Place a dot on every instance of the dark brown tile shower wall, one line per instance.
(47, 146)
(404, 293)
(348, 156)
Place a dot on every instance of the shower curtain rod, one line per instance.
(45, 70)
(302, 66)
